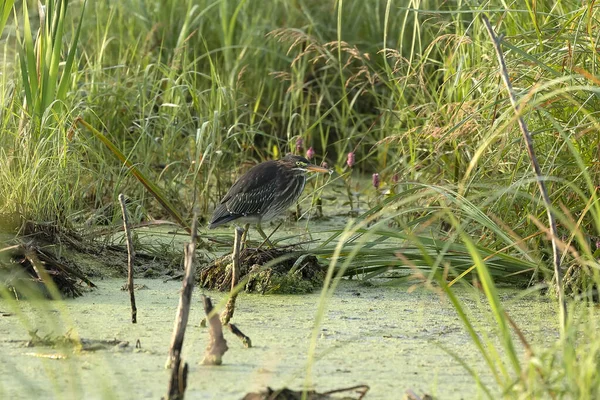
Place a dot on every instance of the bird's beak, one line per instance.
(316, 168)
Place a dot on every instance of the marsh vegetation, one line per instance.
(434, 189)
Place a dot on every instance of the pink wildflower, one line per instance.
(376, 181)
(350, 159)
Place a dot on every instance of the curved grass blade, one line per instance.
(148, 184)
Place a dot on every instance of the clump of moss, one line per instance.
(266, 271)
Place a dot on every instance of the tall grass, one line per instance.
(44, 84)
(191, 92)
(189, 98)
(36, 165)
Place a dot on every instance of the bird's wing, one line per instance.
(250, 202)
(242, 204)
(252, 182)
(221, 216)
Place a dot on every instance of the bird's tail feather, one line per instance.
(222, 219)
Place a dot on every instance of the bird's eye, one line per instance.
(300, 164)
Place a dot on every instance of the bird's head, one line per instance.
(301, 164)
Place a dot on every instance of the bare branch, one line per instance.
(130, 257)
(218, 345)
(183, 309)
(235, 276)
(537, 169)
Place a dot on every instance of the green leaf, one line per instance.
(64, 80)
(5, 9)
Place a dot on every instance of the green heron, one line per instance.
(264, 192)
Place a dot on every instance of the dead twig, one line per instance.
(289, 394)
(218, 345)
(360, 389)
(227, 313)
(130, 257)
(178, 381)
(537, 169)
(245, 339)
(411, 395)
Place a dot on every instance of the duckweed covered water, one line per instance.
(378, 335)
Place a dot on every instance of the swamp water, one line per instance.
(380, 335)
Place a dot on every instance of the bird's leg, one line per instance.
(262, 233)
(245, 235)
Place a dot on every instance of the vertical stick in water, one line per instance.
(178, 379)
(217, 345)
(235, 276)
(130, 257)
